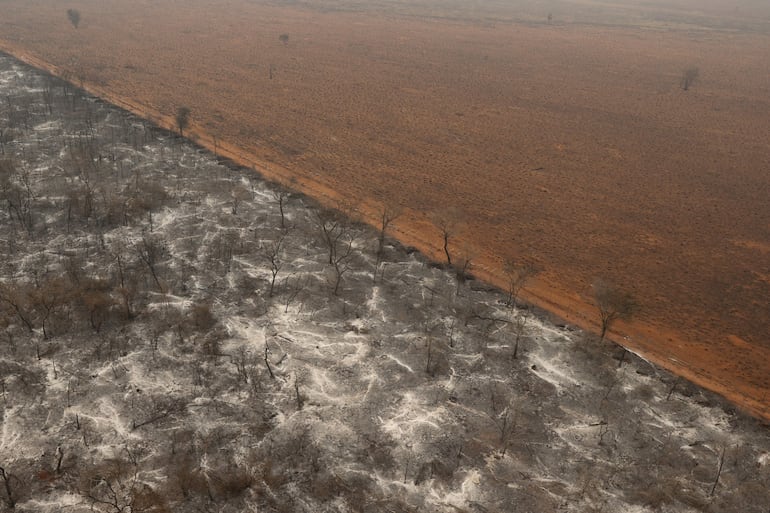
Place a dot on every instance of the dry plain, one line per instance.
(567, 144)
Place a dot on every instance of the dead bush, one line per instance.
(185, 477)
(202, 317)
(231, 482)
(274, 476)
(113, 485)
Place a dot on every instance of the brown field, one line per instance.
(569, 144)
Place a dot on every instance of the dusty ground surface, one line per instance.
(569, 144)
(147, 363)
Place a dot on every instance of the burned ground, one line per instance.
(569, 143)
(149, 358)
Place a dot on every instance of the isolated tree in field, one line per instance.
(688, 77)
(182, 119)
(517, 275)
(74, 16)
(613, 304)
(284, 38)
(388, 214)
(446, 222)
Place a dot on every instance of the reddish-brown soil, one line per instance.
(569, 144)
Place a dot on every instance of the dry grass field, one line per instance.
(569, 144)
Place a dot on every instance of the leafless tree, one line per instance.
(463, 270)
(202, 317)
(343, 257)
(48, 94)
(503, 414)
(148, 196)
(17, 296)
(157, 409)
(334, 230)
(297, 395)
(688, 77)
(114, 486)
(16, 190)
(74, 16)
(719, 471)
(95, 297)
(182, 119)
(282, 196)
(519, 330)
(6, 136)
(446, 225)
(59, 458)
(239, 194)
(52, 293)
(613, 304)
(292, 290)
(267, 361)
(517, 275)
(272, 253)
(436, 361)
(125, 280)
(150, 251)
(6, 477)
(5, 324)
(388, 214)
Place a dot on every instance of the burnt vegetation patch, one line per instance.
(178, 335)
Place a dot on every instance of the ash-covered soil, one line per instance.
(175, 338)
(569, 143)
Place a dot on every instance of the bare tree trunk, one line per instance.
(673, 387)
(9, 495)
(300, 403)
(267, 362)
(719, 471)
(446, 248)
(59, 458)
